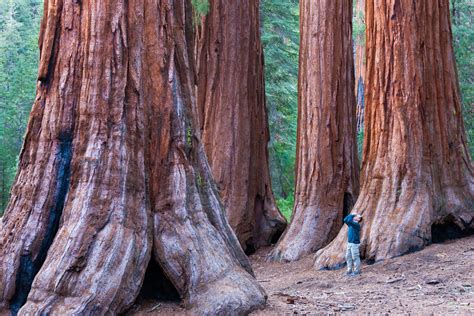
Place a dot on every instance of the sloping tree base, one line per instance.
(392, 228)
(417, 176)
(112, 173)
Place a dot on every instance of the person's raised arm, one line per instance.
(349, 220)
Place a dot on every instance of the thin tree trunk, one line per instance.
(327, 167)
(417, 176)
(112, 173)
(360, 64)
(3, 198)
(233, 119)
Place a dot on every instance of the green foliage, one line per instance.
(19, 27)
(286, 206)
(463, 38)
(280, 38)
(360, 143)
(200, 8)
(358, 26)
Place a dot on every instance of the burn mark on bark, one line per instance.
(347, 204)
(29, 267)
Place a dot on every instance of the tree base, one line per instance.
(400, 224)
(236, 293)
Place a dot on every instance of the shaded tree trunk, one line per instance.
(326, 166)
(112, 173)
(233, 119)
(359, 63)
(417, 176)
(3, 192)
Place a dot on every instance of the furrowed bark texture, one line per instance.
(417, 177)
(233, 119)
(112, 173)
(359, 65)
(326, 167)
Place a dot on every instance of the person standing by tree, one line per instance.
(353, 234)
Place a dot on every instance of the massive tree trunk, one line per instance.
(112, 173)
(359, 62)
(233, 119)
(327, 167)
(417, 177)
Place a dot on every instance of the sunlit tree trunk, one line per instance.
(233, 118)
(417, 176)
(326, 167)
(112, 173)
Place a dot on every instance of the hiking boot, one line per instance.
(355, 273)
(348, 273)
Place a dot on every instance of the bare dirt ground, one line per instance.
(438, 280)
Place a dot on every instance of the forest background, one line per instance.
(19, 27)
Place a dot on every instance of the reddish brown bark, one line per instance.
(359, 63)
(327, 167)
(233, 118)
(417, 176)
(112, 172)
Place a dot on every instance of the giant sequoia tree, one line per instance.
(417, 176)
(233, 118)
(112, 174)
(326, 167)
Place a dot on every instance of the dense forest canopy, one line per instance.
(19, 27)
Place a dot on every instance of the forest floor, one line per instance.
(438, 280)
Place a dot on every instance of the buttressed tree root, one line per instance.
(417, 176)
(112, 174)
(327, 169)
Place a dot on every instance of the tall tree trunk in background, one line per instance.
(359, 62)
(327, 167)
(112, 173)
(233, 119)
(3, 192)
(417, 176)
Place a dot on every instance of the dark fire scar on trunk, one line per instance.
(28, 267)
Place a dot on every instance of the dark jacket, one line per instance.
(353, 235)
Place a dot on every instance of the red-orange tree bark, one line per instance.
(233, 118)
(327, 167)
(417, 176)
(112, 173)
